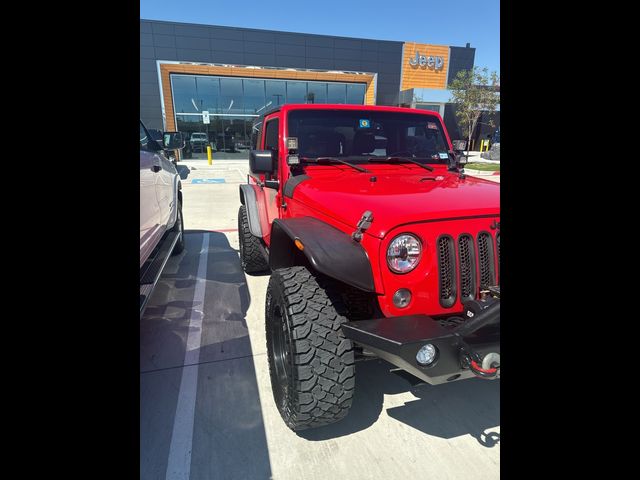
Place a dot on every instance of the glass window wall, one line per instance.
(234, 104)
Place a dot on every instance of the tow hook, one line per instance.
(487, 367)
(490, 367)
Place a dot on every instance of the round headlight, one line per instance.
(404, 253)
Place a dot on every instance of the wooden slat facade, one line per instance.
(423, 76)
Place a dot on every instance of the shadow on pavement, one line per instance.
(450, 410)
(229, 439)
(446, 411)
(266, 273)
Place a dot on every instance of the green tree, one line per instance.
(474, 92)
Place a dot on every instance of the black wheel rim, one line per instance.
(281, 356)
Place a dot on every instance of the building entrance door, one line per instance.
(228, 136)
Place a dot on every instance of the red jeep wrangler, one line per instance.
(378, 245)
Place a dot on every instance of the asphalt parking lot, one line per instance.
(206, 408)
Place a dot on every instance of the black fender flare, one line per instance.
(248, 199)
(328, 250)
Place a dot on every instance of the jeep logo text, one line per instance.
(429, 62)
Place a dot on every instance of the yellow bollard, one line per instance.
(209, 159)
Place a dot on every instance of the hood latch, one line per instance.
(363, 225)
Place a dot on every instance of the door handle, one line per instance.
(156, 168)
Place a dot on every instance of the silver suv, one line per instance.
(161, 226)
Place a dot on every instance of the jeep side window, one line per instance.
(271, 139)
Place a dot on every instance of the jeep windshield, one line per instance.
(361, 136)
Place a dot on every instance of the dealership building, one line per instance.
(217, 80)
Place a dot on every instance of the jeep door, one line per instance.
(270, 141)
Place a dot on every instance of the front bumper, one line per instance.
(460, 349)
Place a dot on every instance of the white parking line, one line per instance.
(179, 464)
(243, 176)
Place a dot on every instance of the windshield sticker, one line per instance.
(432, 125)
(364, 123)
(443, 156)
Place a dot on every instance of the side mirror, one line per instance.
(173, 141)
(459, 145)
(457, 159)
(261, 161)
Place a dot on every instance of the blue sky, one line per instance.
(444, 22)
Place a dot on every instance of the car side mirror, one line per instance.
(261, 161)
(457, 160)
(461, 158)
(173, 141)
(459, 145)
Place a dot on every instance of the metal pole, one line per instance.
(209, 159)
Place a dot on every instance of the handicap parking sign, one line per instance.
(364, 123)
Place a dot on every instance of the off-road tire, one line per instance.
(179, 227)
(252, 254)
(318, 361)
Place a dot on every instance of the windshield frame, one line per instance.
(365, 112)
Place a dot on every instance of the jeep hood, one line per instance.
(396, 198)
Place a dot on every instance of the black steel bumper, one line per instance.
(460, 349)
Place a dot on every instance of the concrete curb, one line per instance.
(480, 173)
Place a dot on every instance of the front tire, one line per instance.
(252, 254)
(311, 363)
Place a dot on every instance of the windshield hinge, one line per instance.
(363, 225)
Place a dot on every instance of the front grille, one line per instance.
(447, 271)
(498, 246)
(466, 254)
(486, 260)
(475, 260)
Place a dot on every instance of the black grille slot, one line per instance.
(447, 271)
(466, 254)
(498, 245)
(486, 260)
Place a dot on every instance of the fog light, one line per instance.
(402, 298)
(426, 355)
(293, 160)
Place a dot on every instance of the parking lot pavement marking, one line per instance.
(208, 180)
(179, 464)
(243, 175)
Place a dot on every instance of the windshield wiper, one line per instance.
(334, 160)
(400, 160)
